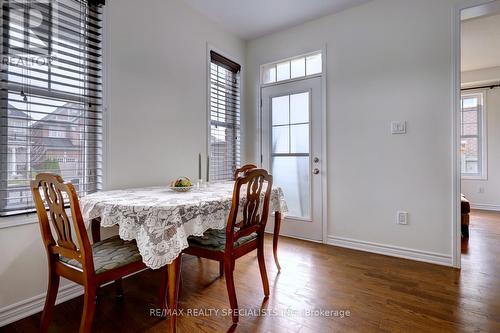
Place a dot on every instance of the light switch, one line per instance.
(398, 127)
(401, 217)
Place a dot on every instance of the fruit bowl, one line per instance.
(182, 184)
(181, 189)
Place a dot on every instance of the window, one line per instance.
(297, 67)
(224, 108)
(51, 103)
(473, 139)
(57, 133)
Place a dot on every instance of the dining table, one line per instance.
(160, 220)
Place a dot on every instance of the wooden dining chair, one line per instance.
(244, 232)
(277, 221)
(243, 169)
(90, 265)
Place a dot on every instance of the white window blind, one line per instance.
(472, 140)
(224, 117)
(51, 96)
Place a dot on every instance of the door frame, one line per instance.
(324, 159)
(455, 108)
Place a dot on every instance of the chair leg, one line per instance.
(228, 272)
(262, 266)
(50, 300)
(221, 268)
(88, 308)
(276, 234)
(119, 287)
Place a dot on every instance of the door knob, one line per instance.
(316, 171)
(316, 160)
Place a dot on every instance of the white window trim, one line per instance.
(483, 136)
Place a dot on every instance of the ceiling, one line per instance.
(250, 19)
(481, 43)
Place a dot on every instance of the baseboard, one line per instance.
(27, 307)
(485, 207)
(393, 251)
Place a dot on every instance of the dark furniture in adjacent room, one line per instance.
(465, 211)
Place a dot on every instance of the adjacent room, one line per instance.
(480, 128)
(250, 166)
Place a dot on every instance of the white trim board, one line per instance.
(393, 251)
(455, 135)
(27, 307)
(491, 207)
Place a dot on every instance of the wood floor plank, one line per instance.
(382, 294)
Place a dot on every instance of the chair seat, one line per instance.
(215, 240)
(109, 254)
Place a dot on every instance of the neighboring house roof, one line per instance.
(70, 110)
(57, 143)
(15, 112)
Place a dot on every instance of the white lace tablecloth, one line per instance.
(161, 220)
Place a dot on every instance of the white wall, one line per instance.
(157, 90)
(157, 116)
(386, 60)
(480, 76)
(490, 198)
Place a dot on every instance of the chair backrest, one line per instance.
(243, 169)
(253, 204)
(54, 191)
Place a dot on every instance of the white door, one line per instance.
(291, 149)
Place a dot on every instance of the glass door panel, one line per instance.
(290, 151)
(291, 173)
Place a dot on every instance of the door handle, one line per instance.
(315, 171)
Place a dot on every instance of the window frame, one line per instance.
(30, 216)
(238, 61)
(482, 136)
(274, 64)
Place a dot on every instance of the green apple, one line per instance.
(183, 182)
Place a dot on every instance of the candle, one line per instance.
(199, 166)
(208, 169)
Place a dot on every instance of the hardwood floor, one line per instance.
(382, 294)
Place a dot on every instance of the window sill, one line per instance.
(18, 220)
(474, 177)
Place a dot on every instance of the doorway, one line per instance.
(292, 150)
(477, 120)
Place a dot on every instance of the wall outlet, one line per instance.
(480, 190)
(402, 217)
(398, 127)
